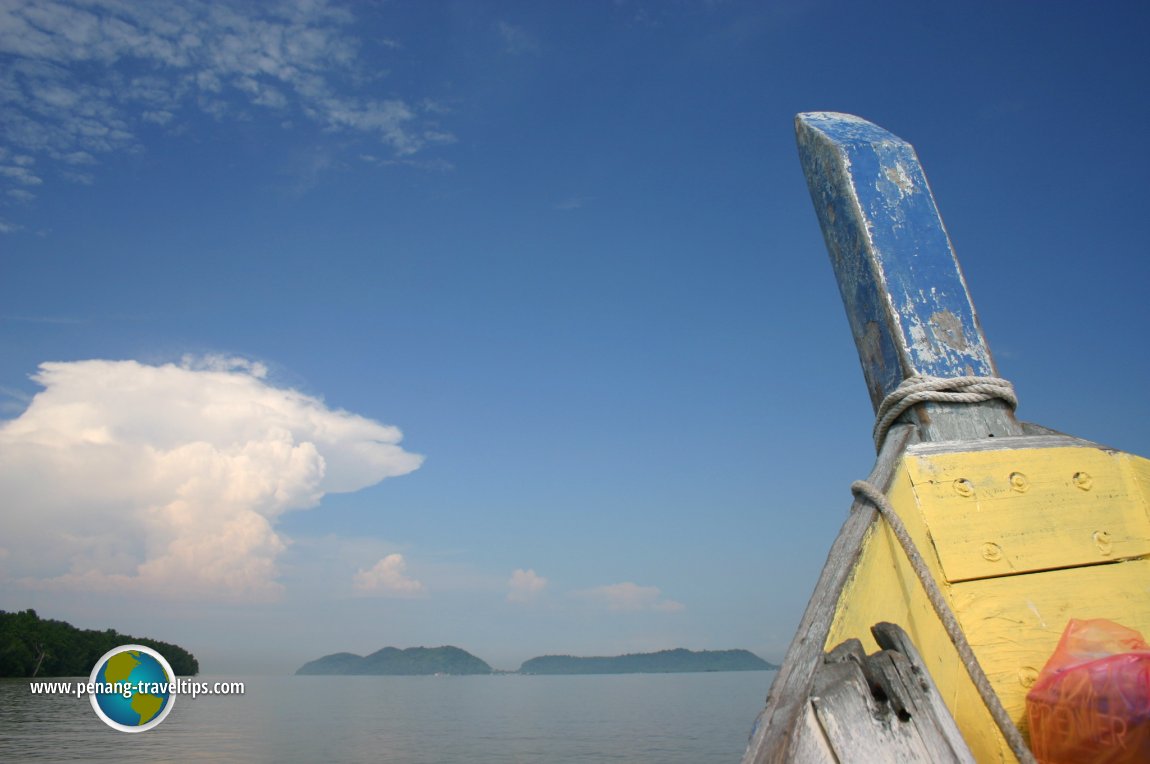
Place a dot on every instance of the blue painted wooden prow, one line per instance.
(907, 302)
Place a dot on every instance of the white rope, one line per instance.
(918, 389)
(865, 490)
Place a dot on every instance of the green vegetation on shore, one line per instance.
(663, 662)
(392, 661)
(452, 660)
(31, 646)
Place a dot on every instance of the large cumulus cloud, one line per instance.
(129, 477)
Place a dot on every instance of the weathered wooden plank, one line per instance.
(1045, 439)
(854, 726)
(904, 293)
(996, 513)
(1030, 428)
(882, 707)
(809, 744)
(780, 721)
(943, 734)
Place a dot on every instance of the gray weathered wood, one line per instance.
(1001, 444)
(856, 727)
(942, 734)
(809, 744)
(875, 709)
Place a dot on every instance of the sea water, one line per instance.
(664, 718)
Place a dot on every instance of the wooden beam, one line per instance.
(904, 293)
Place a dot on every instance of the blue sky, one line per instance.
(565, 248)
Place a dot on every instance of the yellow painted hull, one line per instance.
(1020, 539)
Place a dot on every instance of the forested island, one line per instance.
(663, 662)
(391, 661)
(31, 646)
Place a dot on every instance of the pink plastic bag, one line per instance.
(1091, 703)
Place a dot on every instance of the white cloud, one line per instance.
(85, 77)
(388, 577)
(525, 585)
(20, 175)
(170, 479)
(628, 596)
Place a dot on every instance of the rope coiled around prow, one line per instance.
(919, 389)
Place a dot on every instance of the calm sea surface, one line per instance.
(663, 718)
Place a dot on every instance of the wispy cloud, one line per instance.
(16, 178)
(631, 597)
(434, 164)
(86, 77)
(120, 476)
(571, 203)
(525, 585)
(388, 577)
(516, 40)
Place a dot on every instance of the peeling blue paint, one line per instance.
(901, 284)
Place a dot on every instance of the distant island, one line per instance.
(663, 662)
(31, 646)
(391, 661)
(415, 661)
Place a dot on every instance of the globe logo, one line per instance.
(133, 687)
